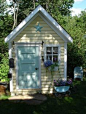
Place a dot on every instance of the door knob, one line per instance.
(36, 68)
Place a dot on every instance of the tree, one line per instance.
(6, 23)
(23, 7)
(76, 50)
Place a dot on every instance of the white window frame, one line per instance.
(52, 45)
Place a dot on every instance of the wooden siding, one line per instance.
(47, 35)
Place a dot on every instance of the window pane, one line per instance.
(49, 57)
(49, 50)
(55, 58)
(55, 50)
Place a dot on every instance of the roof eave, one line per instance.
(23, 23)
(33, 13)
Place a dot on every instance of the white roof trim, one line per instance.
(12, 35)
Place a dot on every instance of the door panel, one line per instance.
(28, 61)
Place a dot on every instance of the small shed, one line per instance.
(36, 39)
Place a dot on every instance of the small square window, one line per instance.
(51, 53)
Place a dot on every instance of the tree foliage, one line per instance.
(54, 7)
(4, 68)
(6, 23)
(76, 50)
(75, 26)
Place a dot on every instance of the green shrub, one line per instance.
(76, 57)
(4, 68)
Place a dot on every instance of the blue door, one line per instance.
(28, 67)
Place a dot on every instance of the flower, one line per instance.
(55, 62)
(48, 63)
(61, 82)
(51, 65)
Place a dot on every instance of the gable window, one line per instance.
(52, 52)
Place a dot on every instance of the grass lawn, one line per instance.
(75, 104)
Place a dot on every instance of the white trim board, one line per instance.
(17, 31)
(10, 70)
(28, 43)
(53, 27)
(29, 18)
(65, 61)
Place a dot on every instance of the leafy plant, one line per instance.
(4, 68)
(61, 82)
(51, 66)
(55, 64)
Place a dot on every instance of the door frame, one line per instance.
(28, 44)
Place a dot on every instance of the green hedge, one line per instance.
(4, 68)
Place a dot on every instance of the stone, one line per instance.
(2, 90)
(35, 99)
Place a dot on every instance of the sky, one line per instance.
(79, 5)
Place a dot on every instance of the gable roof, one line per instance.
(61, 32)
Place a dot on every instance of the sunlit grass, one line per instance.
(4, 97)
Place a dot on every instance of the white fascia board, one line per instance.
(22, 24)
(52, 20)
(27, 19)
(53, 27)
(17, 33)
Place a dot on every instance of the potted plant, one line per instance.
(62, 85)
(61, 82)
(52, 66)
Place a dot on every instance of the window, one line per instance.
(52, 52)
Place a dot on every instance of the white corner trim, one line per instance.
(10, 70)
(65, 60)
(10, 50)
(39, 9)
(40, 66)
(59, 54)
(16, 68)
